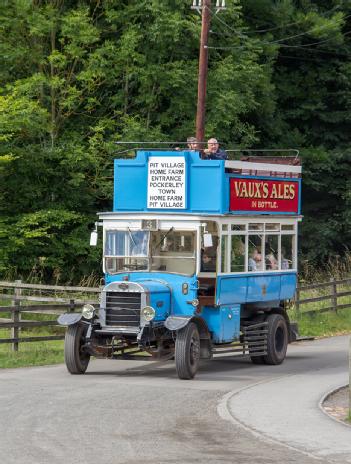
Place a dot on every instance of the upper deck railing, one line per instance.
(272, 163)
(283, 162)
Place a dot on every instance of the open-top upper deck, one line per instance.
(182, 182)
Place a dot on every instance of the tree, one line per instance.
(79, 76)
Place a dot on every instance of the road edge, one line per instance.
(325, 397)
(224, 412)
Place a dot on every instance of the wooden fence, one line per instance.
(331, 294)
(42, 299)
(53, 299)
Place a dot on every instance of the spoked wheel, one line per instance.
(277, 339)
(187, 351)
(76, 359)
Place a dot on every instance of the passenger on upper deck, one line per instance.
(192, 143)
(213, 151)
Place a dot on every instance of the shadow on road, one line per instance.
(217, 369)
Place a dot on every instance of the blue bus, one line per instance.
(199, 257)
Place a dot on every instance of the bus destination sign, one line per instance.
(264, 195)
(166, 182)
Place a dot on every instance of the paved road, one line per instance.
(125, 412)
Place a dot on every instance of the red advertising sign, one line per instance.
(271, 196)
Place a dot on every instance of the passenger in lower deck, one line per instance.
(271, 261)
(255, 261)
(208, 263)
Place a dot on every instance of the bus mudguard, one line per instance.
(174, 323)
(69, 319)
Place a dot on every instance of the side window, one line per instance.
(255, 253)
(271, 253)
(237, 261)
(224, 253)
(209, 247)
(259, 246)
(287, 247)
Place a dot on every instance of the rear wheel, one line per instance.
(277, 339)
(76, 359)
(187, 351)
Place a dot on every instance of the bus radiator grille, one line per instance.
(123, 309)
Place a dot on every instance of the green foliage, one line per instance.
(78, 76)
(52, 244)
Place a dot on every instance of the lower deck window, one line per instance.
(237, 261)
(255, 262)
(287, 246)
(271, 252)
(256, 247)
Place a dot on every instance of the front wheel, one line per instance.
(76, 359)
(187, 351)
(277, 339)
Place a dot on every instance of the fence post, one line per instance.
(71, 306)
(350, 380)
(297, 298)
(334, 298)
(16, 315)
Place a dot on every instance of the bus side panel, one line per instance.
(288, 286)
(206, 180)
(231, 289)
(263, 288)
(130, 185)
(252, 288)
(223, 322)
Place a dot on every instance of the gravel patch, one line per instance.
(336, 405)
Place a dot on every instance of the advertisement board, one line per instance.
(264, 195)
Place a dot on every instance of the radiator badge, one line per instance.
(123, 286)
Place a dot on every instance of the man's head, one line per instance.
(212, 145)
(192, 143)
(256, 255)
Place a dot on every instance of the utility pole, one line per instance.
(205, 6)
(203, 66)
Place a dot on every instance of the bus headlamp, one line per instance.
(88, 311)
(148, 313)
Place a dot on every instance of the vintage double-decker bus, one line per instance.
(199, 256)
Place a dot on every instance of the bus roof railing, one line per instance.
(238, 153)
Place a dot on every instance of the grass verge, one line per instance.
(323, 324)
(32, 353)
